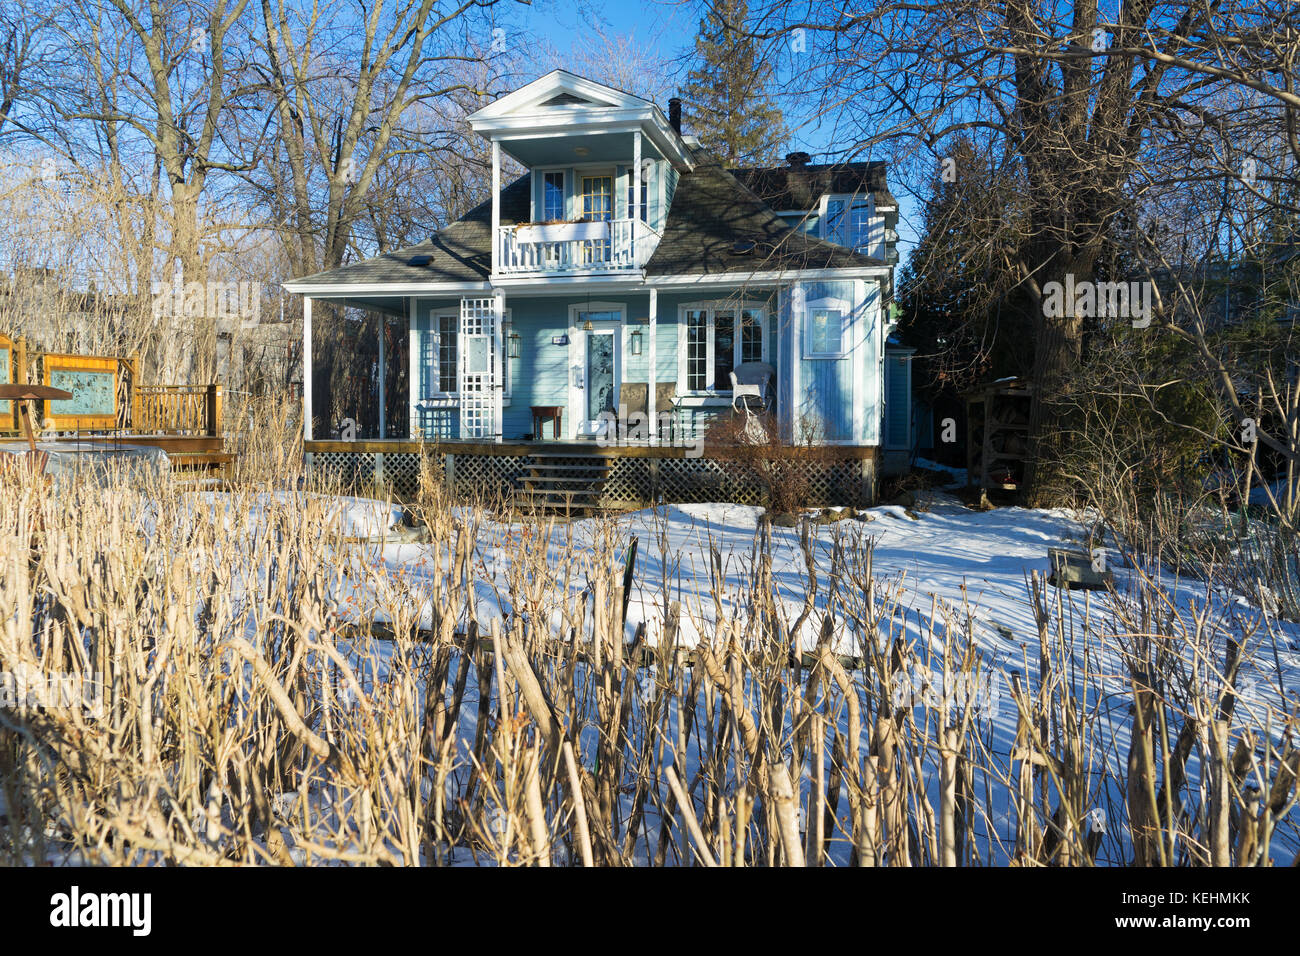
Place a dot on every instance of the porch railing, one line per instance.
(176, 410)
(548, 248)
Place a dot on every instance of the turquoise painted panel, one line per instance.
(825, 408)
(92, 392)
(898, 410)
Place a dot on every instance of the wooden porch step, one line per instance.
(600, 456)
(560, 480)
(557, 493)
(555, 484)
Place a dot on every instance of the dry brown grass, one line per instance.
(252, 713)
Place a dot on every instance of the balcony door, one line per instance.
(596, 200)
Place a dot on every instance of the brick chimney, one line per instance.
(797, 160)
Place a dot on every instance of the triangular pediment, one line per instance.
(559, 90)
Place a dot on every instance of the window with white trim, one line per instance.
(552, 196)
(440, 353)
(643, 214)
(715, 340)
(448, 379)
(826, 324)
(847, 221)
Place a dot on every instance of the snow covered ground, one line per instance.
(937, 566)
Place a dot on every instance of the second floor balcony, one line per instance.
(558, 248)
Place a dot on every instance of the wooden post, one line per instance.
(214, 410)
(383, 375)
(652, 410)
(634, 207)
(306, 368)
(499, 342)
(133, 393)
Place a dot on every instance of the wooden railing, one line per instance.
(176, 410)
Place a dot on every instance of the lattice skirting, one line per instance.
(632, 482)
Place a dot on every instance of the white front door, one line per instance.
(595, 356)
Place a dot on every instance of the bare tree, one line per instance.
(1074, 91)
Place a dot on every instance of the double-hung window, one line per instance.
(642, 209)
(716, 339)
(553, 196)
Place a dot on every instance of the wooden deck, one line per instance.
(183, 420)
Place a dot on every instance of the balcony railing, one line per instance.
(614, 245)
(176, 410)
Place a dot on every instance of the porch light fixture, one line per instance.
(514, 345)
(587, 326)
(635, 341)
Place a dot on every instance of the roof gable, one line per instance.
(558, 90)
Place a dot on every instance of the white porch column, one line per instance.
(634, 212)
(414, 374)
(306, 368)
(383, 378)
(496, 205)
(653, 376)
(499, 386)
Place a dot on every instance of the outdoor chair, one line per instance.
(632, 398)
(751, 381)
(666, 401)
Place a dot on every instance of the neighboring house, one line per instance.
(625, 256)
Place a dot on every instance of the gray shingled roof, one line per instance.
(801, 187)
(711, 211)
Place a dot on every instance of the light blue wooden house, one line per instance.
(619, 294)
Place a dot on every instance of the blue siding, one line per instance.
(819, 393)
(539, 376)
(825, 408)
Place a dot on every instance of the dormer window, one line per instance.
(847, 222)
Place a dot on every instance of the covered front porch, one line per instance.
(596, 363)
